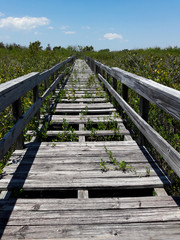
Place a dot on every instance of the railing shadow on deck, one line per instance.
(13, 185)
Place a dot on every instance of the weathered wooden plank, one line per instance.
(101, 217)
(129, 157)
(82, 106)
(95, 111)
(85, 95)
(74, 183)
(57, 119)
(87, 133)
(96, 231)
(171, 156)
(56, 204)
(84, 100)
(86, 145)
(83, 168)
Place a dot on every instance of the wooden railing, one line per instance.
(164, 97)
(11, 93)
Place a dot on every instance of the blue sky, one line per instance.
(113, 24)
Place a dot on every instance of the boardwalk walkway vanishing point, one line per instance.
(87, 178)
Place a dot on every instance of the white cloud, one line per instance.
(64, 27)
(24, 23)
(69, 32)
(2, 14)
(51, 28)
(85, 27)
(112, 36)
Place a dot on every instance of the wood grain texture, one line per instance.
(164, 97)
(171, 156)
(74, 167)
(110, 218)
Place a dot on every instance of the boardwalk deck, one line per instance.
(66, 193)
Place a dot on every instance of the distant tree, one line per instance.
(35, 46)
(2, 45)
(88, 49)
(48, 48)
(56, 48)
(104, 50)
(13, 46)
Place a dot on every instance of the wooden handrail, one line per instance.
(162, 96)
(12, 91)
(170, 155)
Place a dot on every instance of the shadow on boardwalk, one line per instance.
(14, 185)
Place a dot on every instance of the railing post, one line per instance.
(144, 110)
(95, 69)
(52, 78)
(46, 83)
(124, 95)
(35, 98)
(102, 73)
(56, 76)
(17, 113)
(114, 84)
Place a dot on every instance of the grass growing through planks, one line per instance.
(162, 66)
(118, 166)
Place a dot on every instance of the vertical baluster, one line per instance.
(17, 113)
(144, 110)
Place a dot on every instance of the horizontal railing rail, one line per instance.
(164, 97)
(11, 93)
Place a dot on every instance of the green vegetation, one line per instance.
(162, 66)
(117, 166)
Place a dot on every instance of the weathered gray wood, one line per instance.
(101, 217)
(85, 100)
(82, 106)
(91, 204)
(75, 119)
(110, 110)
(144, 110)
(88, 146)
(142, 231)
(160, 192)
(5, 195)
(14, 89)
(127, 137)
(41, 183)
(76, 166)
(17, 129)
(170, 155)
(87, 133)
(83, 194)
(17, 113)
(164, 97)
(35, 98)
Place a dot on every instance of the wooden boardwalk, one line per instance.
(73, 185)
